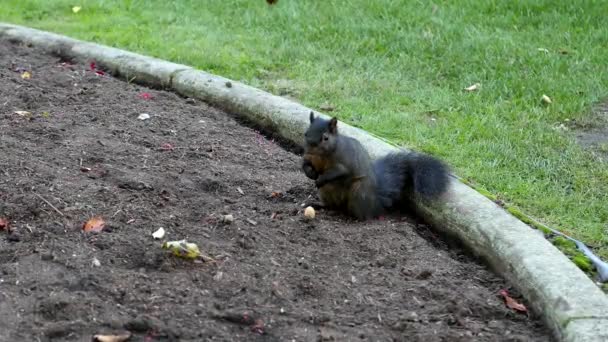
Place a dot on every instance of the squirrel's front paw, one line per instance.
(310, 172)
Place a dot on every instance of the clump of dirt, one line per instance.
(592, 134)
(76, 149)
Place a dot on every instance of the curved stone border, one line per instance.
(570, 303)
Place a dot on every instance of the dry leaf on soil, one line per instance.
(76, 9)
(93, 67)
(23, 113)
(512, 303)
(146, 96)
(26, 75)
(95, 224)
(167, 147)
(3, 223)
(112, 338)
(183, 249)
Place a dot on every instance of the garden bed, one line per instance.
(72, 147)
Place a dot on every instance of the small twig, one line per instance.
(49, 203)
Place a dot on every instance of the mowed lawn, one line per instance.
(398, 69)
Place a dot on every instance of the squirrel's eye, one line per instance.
(325, 138)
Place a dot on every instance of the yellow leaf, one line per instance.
(76, 9)
(26, 75)
(183, 249)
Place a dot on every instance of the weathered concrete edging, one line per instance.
(571, 304)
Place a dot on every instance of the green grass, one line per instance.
(398, 69)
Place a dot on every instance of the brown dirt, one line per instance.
(291, 280)
(592, 133)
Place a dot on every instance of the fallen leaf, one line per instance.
(143, 116)
(543, 50)
(26, 75)
(95, 224)
(546, 99)
(512, 303)
(159, 234)
(473, 87)
(240, 190)
(182, 249)
(112, 338)
(167, 147)
(327, 107)
(96, 262)
(23, 113)
(3, 224)
(276, 194)
(146, 96)
(76, 9)
(93, 67)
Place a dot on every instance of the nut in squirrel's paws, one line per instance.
(309, 213)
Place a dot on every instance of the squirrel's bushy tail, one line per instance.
(399, 174)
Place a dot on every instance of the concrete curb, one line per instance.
(570, 303)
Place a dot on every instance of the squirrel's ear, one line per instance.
(312, 116)
(333, 125)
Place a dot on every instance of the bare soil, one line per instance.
(592, 133)
(82, 152)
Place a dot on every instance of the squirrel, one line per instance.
(348, 180)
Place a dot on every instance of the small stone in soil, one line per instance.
(228, 219)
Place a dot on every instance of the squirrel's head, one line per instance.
(322, 134)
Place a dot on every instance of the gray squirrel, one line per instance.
(348, 180)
